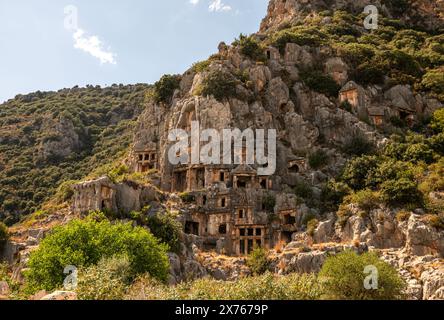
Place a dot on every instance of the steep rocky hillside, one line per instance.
(360, 160)
(47, 138)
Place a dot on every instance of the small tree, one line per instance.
(258, 261)
(83, 243)
(165, 87)
(166, 228)
(220, 84)
(318, 159)
(349, 276)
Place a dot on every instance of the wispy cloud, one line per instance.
(218, 6)
(94, 46)
(194, 2)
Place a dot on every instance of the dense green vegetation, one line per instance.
(250, 48)
(258, 261)
(265, 287)
(219, 84)
(163, 89)
(404, 172)
(83, 243)
(103, 119)
(343, 278)
(404, 55)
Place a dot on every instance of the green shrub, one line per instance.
(4, 234)
(82, 243)
(356, 53)
(389, 169)
(437, 123)
(108, 280)
(436, 221)
(303, 190)
(343, 278)
(401, 192)
(269, 202)
(166, 228)
(318, 159)
(366, 200)
(311, 226)
(298, 35)
(264, 287)
(165, 87)
(368, 73)
(357, 170)
(320, 82)
(187, 197)
(358, 145)
(250, 47)
(201, 66)
(220, 84)
(65, 191)
(402, 216)
(258, 261)
(333, 194)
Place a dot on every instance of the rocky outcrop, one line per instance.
(423, 239)
(60, 141)
(427, 14)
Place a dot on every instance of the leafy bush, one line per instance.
(108, 280)
(269, 202)
(437, 123)
(357, 171)
(358, 145)
(303, 190)
(201, 66)
(82, 243)
(166, 228)
(311, 226)
(320, 82)
(298, 35)
(165, 87)
(356, 53)
(250, 47)
(220, 84)
(187, 197)
(343, 278)
(265, 287)
(333, 194)
(402, 216)
(368, 73)
(436, 221)
(4, 234)
(258, 261)
(401, 192)
(366, 200)
(318, 159)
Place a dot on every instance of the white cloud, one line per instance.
(218, 6)
(93, 46)
(194, 2)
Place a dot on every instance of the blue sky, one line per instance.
(114, 41)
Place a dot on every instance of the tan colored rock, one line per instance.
(295, 54)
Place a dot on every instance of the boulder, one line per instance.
(423, 239)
